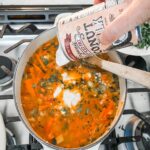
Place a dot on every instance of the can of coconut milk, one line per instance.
(79, 33)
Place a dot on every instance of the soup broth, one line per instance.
(69, 106)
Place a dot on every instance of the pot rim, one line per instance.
(33, 133)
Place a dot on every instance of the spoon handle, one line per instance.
(136, 75)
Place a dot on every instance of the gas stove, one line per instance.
(19, 24)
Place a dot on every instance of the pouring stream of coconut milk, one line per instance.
(79, 33)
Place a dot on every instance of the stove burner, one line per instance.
(10, 137)
(144, 131)
(7, 67)
(4, 61)
(136, 62)
(33, 145)
(138, 128)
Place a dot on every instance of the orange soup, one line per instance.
(69, 106)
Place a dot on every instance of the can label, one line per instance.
(79, 34)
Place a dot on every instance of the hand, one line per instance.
(137, 12)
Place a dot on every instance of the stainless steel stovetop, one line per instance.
(138, 98)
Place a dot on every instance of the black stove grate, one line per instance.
(32, 146)
(26, 29)
(35, 14)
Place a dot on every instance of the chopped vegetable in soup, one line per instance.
(69, 106)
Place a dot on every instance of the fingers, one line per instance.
(132, 16)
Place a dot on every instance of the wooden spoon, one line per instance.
(136, 75)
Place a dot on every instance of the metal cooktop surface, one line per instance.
(16, 34)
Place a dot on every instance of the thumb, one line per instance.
(135, 14)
